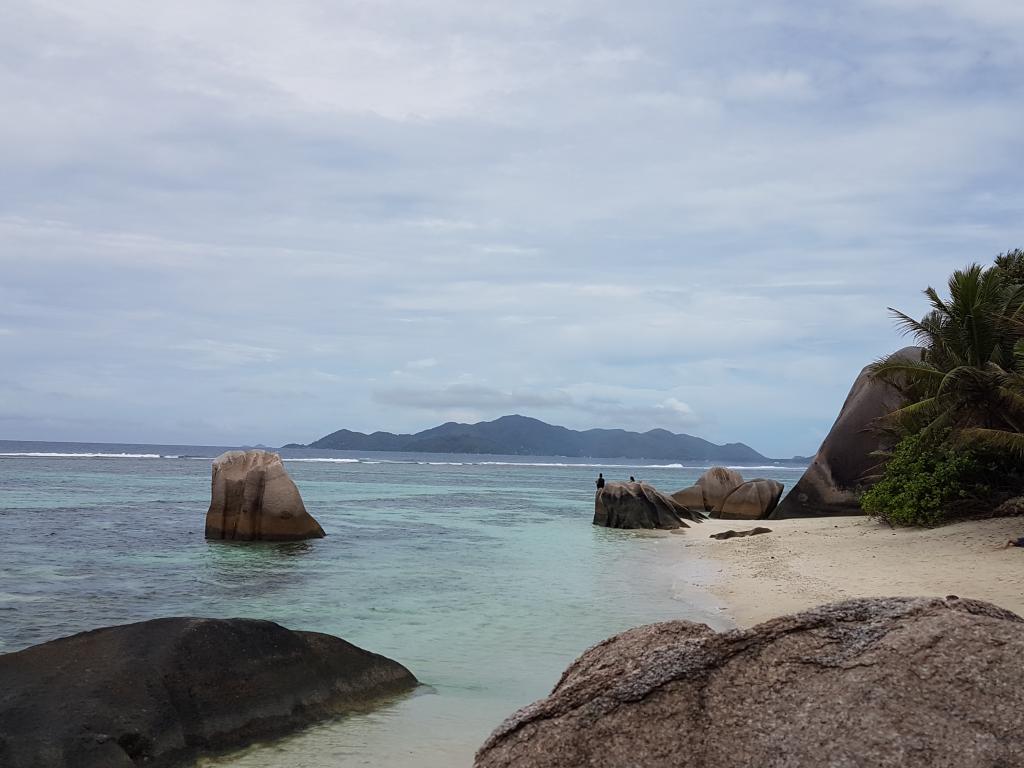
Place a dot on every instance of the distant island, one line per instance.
(524, 436)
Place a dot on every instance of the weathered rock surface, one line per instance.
(731, 534)
(885, 682)
(253, 499)
(691, 498)
(638, 505)
(717, 483)
(159, 692)
(753, 500)
(844, 462)
(1010, 508)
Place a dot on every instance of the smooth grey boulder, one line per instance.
(638, 505)
(883, 682)
(717, 483)
(160, 692)
(753, 500)
(252, 498)
(844, 463)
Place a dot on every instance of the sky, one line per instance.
(240, 222)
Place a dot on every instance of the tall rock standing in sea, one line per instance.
(253, 499)
(844, 460)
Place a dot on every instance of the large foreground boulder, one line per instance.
(159, 692)
(884, 682)
(844, 462)
(753, 500)
(253, 499)
(638, 505)
(717, 483)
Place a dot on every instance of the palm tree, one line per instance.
(970, 378)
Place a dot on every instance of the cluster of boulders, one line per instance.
(846, 463)
(720, 492)
(885, 682)
(723, 493)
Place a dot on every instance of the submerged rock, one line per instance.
(717, 483)
(883, 682)
(845, 460)
(638, 505)
(253, 499)
(159, 692)
(753, 500)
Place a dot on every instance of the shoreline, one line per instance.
(807, 562)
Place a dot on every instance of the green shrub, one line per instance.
(925, 481)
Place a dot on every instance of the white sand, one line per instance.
(803, 563)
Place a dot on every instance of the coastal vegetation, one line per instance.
(958, 439)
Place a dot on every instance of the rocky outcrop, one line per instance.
(753, 500)
(717, 483)
(885, 682)
(638, 505)
(844, 462)
(731, 534)
(691, 498)
(159, 692)
(253, 499)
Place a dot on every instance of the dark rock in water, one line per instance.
(638, 505)
(844, 462)
(252, 498)
(883, 682)
(753, 500)
(159, 692)
(739, 534)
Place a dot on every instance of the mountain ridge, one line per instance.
(516, 435)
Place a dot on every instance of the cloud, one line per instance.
(671, 414)
(468, 396)
(418, 365)
(596, 213)
(784, 84)
(222, 354)
(476, 401)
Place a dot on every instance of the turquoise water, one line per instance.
(483, 575)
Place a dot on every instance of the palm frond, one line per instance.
(998, 439)
(908, 326)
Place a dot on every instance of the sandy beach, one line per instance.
(803, 563)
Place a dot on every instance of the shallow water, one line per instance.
(483, 576)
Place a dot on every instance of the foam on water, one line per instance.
(41, 455)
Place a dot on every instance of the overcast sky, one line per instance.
(240, 222)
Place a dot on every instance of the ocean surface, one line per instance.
(482, 574)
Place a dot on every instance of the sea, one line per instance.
(482, 574)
